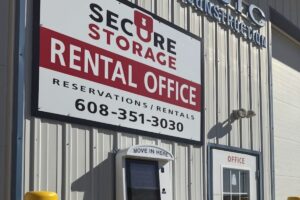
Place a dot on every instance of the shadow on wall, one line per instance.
(97, 184)
(220, 129)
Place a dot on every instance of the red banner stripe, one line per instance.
(118, 72)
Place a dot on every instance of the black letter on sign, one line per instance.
(123, 25)
(159, 40)
(96, 9)
(171, 46)
(111, 20)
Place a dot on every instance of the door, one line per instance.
(142, 180)
(234, 176)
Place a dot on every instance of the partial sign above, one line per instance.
(115, 64)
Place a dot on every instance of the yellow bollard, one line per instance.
(294, 198)
(41, 195)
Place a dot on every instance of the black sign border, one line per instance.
(74, 120)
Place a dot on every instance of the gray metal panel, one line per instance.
(234, 92)
(4, 20)
(180, 172)
(4, 134)
(6, 74)
(210, 77)
(78, 166)
(195, 23)
(222, 80)
(294, 12)
(245, 93)
(265, 122)
(255, 94)
(196, 173)
(163, 9)
(147, 4)
(289, 9)
(298, 18)
(103, 162)
(45, 158)
(3, 100)
(180, 15)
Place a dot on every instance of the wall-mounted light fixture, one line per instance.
(250, 113)
(242, 113)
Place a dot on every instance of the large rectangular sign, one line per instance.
(115, 64)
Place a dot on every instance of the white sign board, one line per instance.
(115, 64)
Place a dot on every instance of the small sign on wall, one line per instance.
(117, 65)
(233, 173)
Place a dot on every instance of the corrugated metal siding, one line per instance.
(77, 161)
(238, 81)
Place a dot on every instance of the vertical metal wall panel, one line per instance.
(2, 159)
(167, 145)
(4, 14)
(196, 175)
(195, 22)
(241, 93)
(265, 114)
(147, 4)
(222, 85)
(244, 93)
(255, 99)
(180, 172)
(28, 145)
(50, 156)
(210, 77)
(6, 94)
(233, 76)
(180, 15)
(79, 162)
(163, 8)
(298, 15)
(35, 154)
(294, 4)
(278, 4)
(147, 140)
(126, 140)
(31, 125)
(3, 127)
(102, 172)
(47, 168)
(288, 8)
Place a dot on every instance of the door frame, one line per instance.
(259, 165)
